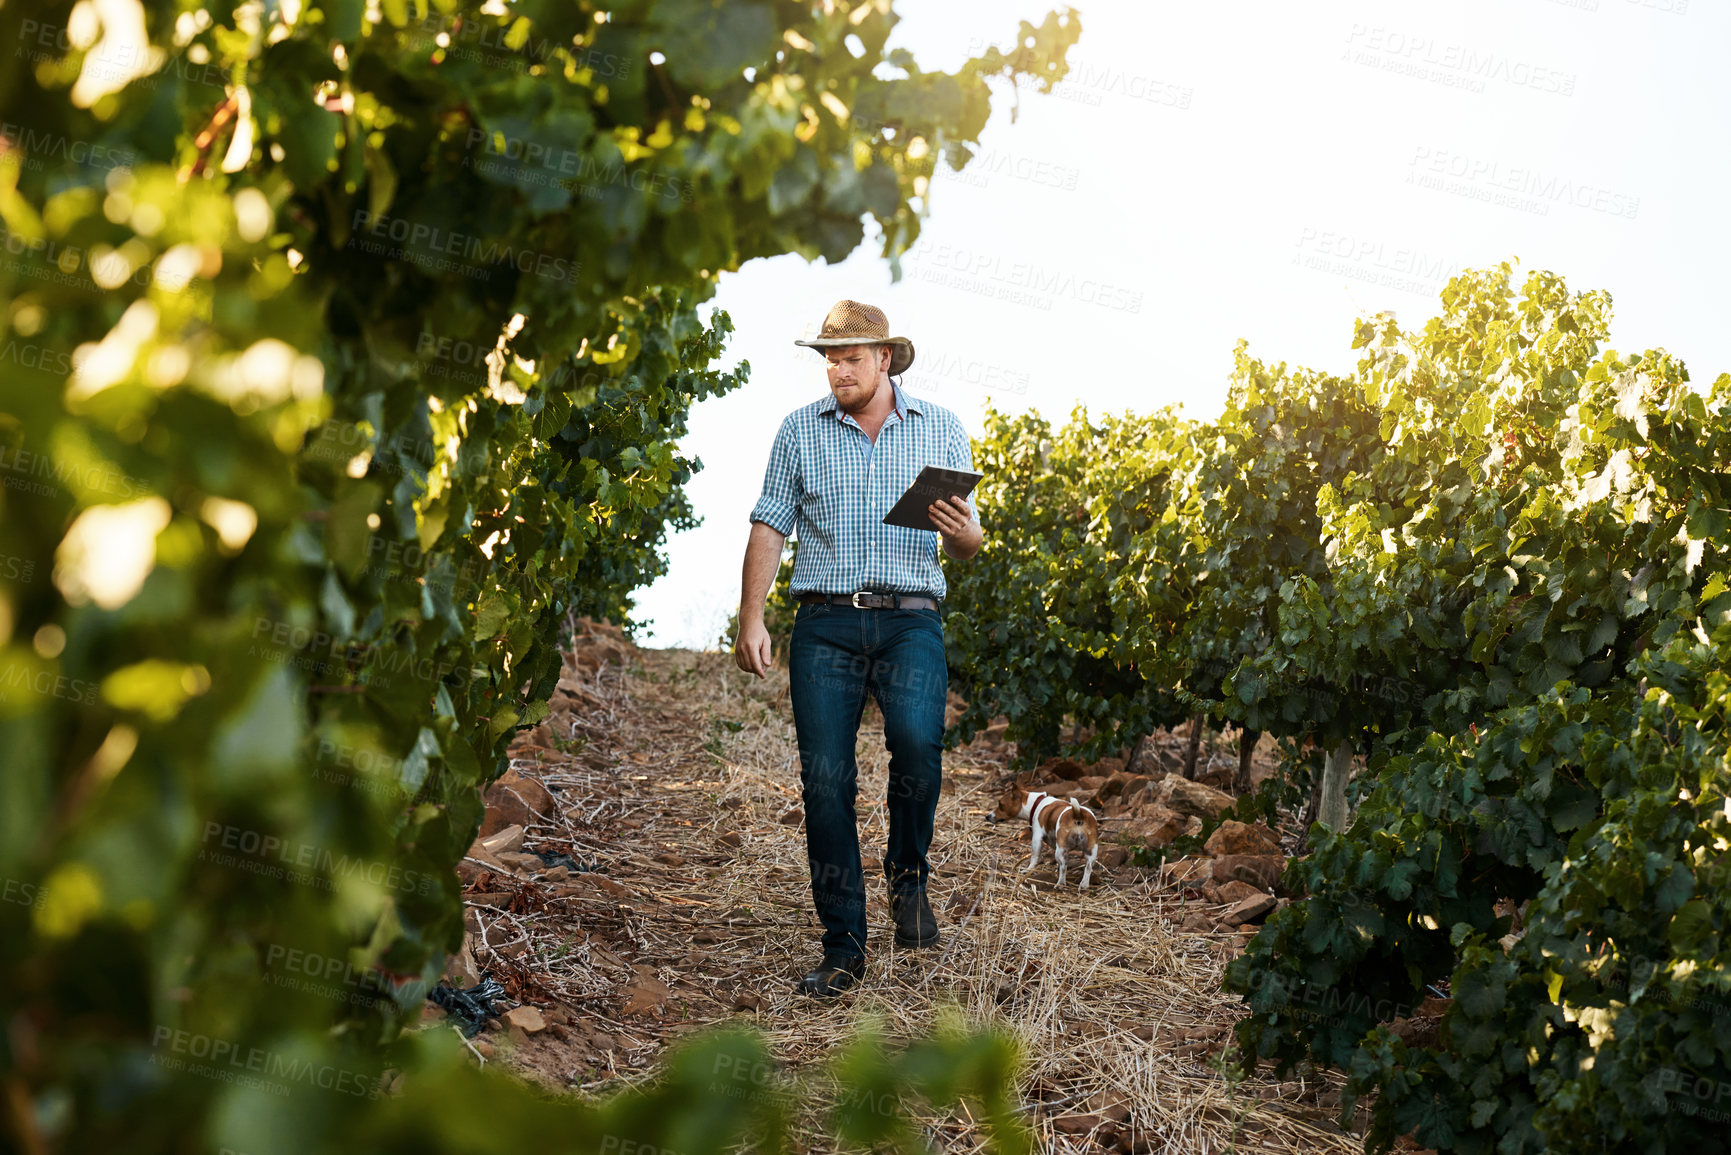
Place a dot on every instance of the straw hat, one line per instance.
(851, 323)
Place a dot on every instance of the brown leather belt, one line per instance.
(868, 600)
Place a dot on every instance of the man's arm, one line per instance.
(958, 524)
(957, 529)
(762, 559)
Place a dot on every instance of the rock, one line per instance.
(460, 968)
(1249, 909)
(1112, 857)
(645, 993)
(1235, 837)
(515, 800)
(1185, 870)
(521, 863)
(1066, 768)
(668, 858)
(1237, 891)
(793, 817)
(518, 1036)
(557, 874)
(1075, 1124)
(1092, 783)
(1261, 871)
(1122, 785)
(508, 840)
(1196, 921)
(1220, 777)
(483, 1048)
(1155, 826)
(1192, 798)
(527, 1019)
(1416, 1032)
(599, 643)
(732, 838)
(478, 861)
(587, 885)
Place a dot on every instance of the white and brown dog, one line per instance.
(1069, 824)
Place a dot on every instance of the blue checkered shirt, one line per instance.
(826, 477)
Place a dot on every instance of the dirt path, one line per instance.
(678, 775)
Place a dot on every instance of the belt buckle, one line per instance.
(858, 594)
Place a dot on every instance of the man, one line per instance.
(867, 621)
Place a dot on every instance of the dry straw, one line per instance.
(660, 769)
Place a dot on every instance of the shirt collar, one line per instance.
(904, 404)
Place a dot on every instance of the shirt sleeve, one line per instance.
(779, 500)
(962, 457)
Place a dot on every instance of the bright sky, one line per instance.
(1255, 169)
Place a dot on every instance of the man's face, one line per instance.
(855, 373)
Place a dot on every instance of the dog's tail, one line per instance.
(1080, 820)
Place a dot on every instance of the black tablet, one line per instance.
(935, 483)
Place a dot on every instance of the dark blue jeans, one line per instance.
(837, 655)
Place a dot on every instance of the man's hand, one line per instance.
(954, 519)
(762, 556)
(751, 648)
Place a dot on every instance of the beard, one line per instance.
(862, 395)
